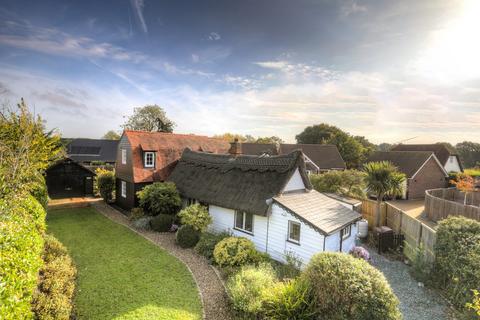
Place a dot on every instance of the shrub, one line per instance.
(347, 288)
(421, 267)
(22, 222)
(159, 198)
(136, 214)
(161, 223)
(247, 287)
(53, 297)
(360, 253)
(207, 243)
(347, 182)
(143, 223)
(474, 306)
(290, 300)
(234, 252)
(105, 183)
(196, 216)
(40, 193)
(187, 236)
(457, 259)
(290, 269)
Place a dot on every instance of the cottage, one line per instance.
(318, 157)
(67, 178)
(450, 161)
(267, 199)
(422, 169)
(145, 157)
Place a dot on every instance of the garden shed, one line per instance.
(67, 178)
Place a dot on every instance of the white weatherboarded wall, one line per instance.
(452, 165)
(295, 182)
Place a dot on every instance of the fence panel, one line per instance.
(412, 229)
(368, 212)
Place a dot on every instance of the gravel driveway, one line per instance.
(416, 303)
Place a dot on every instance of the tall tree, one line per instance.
(382, 179)
(111, 135)
(228, 136)
(384, 146)
(26, 149)
(469, 153)
(149, 118)
(351, 148)
(449, 146)
(272, 139)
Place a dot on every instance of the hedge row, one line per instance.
(22, 224)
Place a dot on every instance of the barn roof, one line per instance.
(243, 183)
(168, 148)
(82, 150)
(408, 162)
(318, 210)
(440, 150)
(324, 156)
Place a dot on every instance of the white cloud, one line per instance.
(214, 36)
(137, 6)
(351, 7)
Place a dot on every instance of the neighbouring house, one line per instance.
(146, 157)
(318, 157)
(422, 169)
(92, 151)
(267, 199)
(67, 178)
(450, 161)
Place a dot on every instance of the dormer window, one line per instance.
(149, 159)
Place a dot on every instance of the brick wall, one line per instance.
(430, 177)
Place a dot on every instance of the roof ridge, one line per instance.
(171, 133)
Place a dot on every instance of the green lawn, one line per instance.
(120, 274)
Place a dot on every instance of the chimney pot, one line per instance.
(235, 148)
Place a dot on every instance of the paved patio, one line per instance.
(414, 208)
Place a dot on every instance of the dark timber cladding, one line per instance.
(242, 182)
(67, 178)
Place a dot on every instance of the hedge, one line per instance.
(187, 236)
(457, 259)
(54, 295)
(22, 223)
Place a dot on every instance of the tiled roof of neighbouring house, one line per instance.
(243, 182)
(168, 148)
(86, 150)
(320, 211)
(324, 156)
(440, 150)
(407, 162)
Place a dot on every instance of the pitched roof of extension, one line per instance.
(323, 213)
(408, 162)
(243, 183)
(325, 156)
(441, 152)
(168, 148)
(81, 150)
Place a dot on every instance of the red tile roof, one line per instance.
(168, 148)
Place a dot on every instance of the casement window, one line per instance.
(294, 231)
(345, 232)
(191, 201)
(124, 156)
(244, 221)
(149, 159)
(123, 189)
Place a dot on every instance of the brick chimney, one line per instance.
(235, 148)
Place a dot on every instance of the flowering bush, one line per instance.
(361, 253)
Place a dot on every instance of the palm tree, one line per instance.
(382, 179)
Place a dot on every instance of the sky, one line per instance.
(387, 70)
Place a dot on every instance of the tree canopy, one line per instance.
(354, 149)
(149, 118)
(469, 153)
(111, 135)
(228, 136)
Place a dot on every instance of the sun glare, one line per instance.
(454, 52)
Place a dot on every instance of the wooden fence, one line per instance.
(441, 203)
(417, 234)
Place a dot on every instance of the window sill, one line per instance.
(293, 242)
(244, 231)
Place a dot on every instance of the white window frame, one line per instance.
(244, 218)
(123, 187)
(145, 157)
(290, 223)
(346, 232)
(124, 156)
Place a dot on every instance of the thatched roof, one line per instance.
(321, 212)
(242, 183)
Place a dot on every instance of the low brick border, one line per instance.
(210, 286)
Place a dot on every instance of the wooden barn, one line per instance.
(67, 178)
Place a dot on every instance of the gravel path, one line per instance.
(214, 299)
(416, 303)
